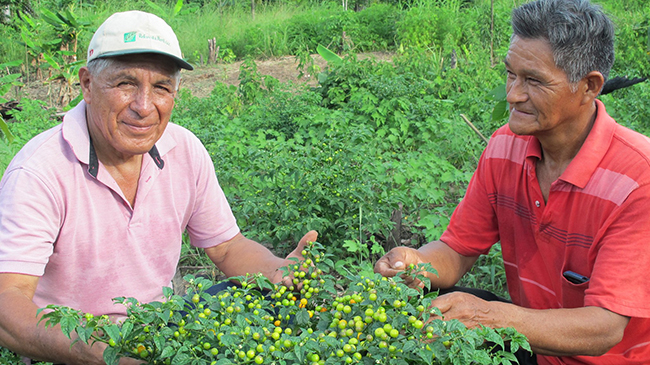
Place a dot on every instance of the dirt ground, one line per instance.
(201, 80)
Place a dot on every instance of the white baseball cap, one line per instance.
(132, 32)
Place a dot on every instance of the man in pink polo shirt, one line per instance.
(566, 191)
(95, 208)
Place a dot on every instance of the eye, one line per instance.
(124, 83)
(164, 88)
(532, 80)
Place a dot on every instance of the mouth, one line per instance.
(138, 128)
(515, 111)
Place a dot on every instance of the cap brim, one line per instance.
(179, 61)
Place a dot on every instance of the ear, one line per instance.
(84, 81)
(592, 85)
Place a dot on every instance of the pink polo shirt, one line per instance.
(82, 237)
(596, 223)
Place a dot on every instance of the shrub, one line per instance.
(329, 320)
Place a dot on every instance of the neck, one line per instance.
(559, 147)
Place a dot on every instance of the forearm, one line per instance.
(590, 331)
(449, 265)
(244, 256)
(21, 333)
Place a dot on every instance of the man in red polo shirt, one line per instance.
(565, 190)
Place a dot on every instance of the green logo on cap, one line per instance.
(129, 37)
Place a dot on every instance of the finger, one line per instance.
(444, 302)
(384, 268)
(390, 264)
(412, 282)
(310, 236)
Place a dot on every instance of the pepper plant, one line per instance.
(320, 319)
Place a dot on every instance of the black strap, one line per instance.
(153, 152)
(93, 162)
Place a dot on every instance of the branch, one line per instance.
(474, 128)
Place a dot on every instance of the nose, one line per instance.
(515, 91)
(143, 102)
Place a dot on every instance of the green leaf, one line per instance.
(5, 129)
(85, 333)
(168, 292)
(113, 332)
(300, 353)
(74, 103)
(500, 111)
(229, 340)
(28, 42)
(69, 324)
(178, 7)
(127, 327)
(399, 179)
(328, 55)
(8, 79)
(111, 355)
(15, 63)
(159, 341)
(51, 18)
(498, 93)
(302, 317)
(224, 362)
(181, 359)
(51, 61)
(408, 347)
(157, 8)
(167, 352)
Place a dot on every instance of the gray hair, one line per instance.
(580, 34)
(98, 65)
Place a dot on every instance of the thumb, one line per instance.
(398, 265)
(309, 237)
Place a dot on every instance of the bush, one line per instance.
(329, 320)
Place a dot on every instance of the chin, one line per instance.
(520, 128)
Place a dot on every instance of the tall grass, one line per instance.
(266, 36)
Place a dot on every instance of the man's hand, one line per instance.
(590, 331)
(310, 236)
(397, 260)
(449, 264)
(240, 256)
(472, 311)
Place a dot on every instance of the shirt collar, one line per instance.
(75, 132)
(584, 164)
(593, 150)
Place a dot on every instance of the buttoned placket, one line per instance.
(148, 173)
(536, 203)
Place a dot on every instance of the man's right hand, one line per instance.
(449, 265)
(397, 260)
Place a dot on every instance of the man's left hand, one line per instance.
(467, 308)
(309, 237)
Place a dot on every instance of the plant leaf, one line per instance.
(328, 55)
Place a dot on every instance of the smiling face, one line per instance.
(541, 99)
(129, 104)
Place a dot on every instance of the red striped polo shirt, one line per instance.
(596, 223)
